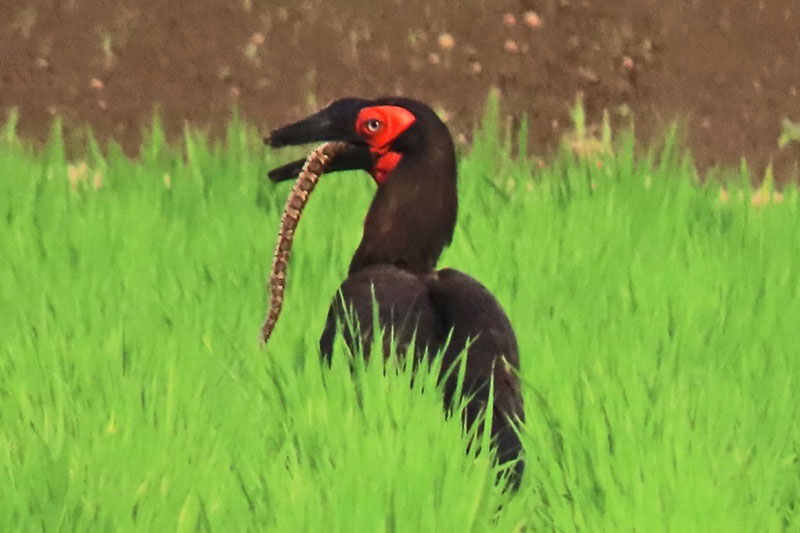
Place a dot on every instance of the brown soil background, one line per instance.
(729, 69)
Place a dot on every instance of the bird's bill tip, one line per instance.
(317, 127)
(286, 172)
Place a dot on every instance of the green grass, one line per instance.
(657, 320)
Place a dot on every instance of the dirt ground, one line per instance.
(729, 68)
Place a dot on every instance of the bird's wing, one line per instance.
(474, 316)
(402, 302)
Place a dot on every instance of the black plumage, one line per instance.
(410, 153)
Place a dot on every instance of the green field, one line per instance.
(658, 322)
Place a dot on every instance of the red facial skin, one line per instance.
(379, 126)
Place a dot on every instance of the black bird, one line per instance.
(409, 152)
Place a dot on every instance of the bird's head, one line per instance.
(380, 131)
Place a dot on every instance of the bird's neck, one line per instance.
(412, 216)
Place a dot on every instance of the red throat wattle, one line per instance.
(380, 126)
(384, 164)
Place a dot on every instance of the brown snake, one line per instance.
(316, 164)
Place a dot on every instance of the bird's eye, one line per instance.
(372, 125)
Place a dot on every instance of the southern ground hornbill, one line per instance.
(409, 152)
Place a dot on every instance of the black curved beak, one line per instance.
(355, 157)
(317, 127)
(286, 172)
(334, 123)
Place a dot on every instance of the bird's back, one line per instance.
(480, 326)
(443, 310)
